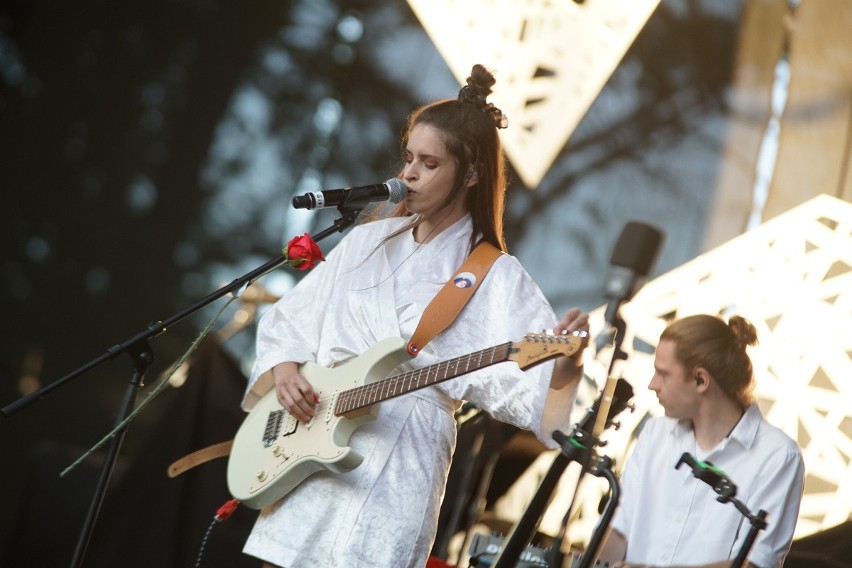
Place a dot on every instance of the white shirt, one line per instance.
(384, 512)
(671, 518)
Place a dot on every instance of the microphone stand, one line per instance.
(633, 255)
(603, 468)
(758, 523)
(577, 447)
(142, 356)
(725, 488)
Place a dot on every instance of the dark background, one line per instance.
(148, 154)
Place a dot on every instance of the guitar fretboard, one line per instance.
(397, 385)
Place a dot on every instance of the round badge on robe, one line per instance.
(464, 280)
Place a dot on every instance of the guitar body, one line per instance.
(273, 452)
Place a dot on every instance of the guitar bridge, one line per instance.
(278, 423)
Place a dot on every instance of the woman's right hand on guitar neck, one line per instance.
(293, 391)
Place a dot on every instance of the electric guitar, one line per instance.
(273, 452)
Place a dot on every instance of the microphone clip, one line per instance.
(711, 475)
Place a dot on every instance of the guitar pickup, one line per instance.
(279, 423)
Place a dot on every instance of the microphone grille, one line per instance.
(397, 190)
(637, 247)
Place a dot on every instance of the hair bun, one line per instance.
(745, 334)
(476, 92)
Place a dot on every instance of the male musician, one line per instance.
(703, 378)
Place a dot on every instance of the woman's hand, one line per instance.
(293, 391)
(568, 370)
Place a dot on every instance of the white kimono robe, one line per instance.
(384, 512)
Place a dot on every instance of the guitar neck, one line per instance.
(397, 385)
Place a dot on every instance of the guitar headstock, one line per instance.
(535, 348)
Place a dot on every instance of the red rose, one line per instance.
(303, 253)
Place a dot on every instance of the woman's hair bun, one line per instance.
(476, 92)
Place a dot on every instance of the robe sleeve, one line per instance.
(507, 306)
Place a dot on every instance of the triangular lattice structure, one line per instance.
(792, 277)
(551, 60)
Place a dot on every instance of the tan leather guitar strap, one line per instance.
(199, 457)
(438, 315)
(450, 299)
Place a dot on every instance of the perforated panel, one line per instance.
(792, 277)
(551, 59)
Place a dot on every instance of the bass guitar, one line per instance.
(273, 452)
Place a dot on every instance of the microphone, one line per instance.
(632, 257)
(393, 190)
(711, 475)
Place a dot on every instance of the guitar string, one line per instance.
(372, 388)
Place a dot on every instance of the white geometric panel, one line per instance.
(792, 278)
(551, 59)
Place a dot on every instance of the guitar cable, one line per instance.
(222, 514)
